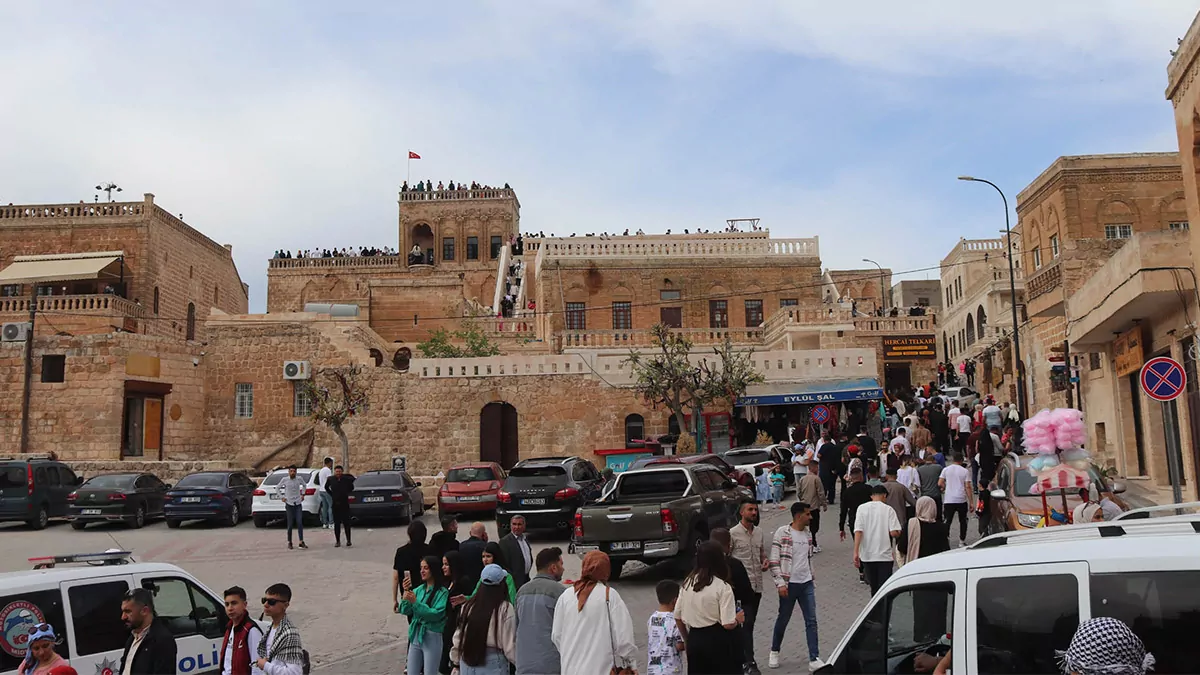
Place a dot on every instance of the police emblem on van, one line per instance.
(16, 618)
(106, 667)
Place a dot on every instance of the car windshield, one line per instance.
(1025, 482)
(374, 480)
(535, 477)
(467, 474)
(117, 481)
(738, 457)
(653, 484)
(274, 478)
(206, 480)
(537, 472)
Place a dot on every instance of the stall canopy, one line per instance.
(820, 391)
(36, 269)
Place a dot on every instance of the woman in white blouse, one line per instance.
(708, 616)
(592, 628)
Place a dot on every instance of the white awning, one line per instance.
(33, 269)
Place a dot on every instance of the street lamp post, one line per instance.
(1012, 289)
(882, 302)
(108, 189)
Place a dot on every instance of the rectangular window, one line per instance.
(670, 295)
(92, 608)
(1161, 604)
(1042, 618)
(789, 302)
(718, 314)
(622, 315)
(1094, 361)
(54, 367)
(1054, 245)
(1179, 225)
(576, 316)
(472, 248)
(754, 313)
(301, 401)
(496, 244)
(1037, 258)
(10, 290)
(671, 317)
(1118, 231)
(185, 609)
(447, 248)
(243, 400)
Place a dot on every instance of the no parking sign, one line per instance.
(820, 414)
(1163, 379)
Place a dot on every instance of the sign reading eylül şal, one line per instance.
(1127, 352)
(901, 348)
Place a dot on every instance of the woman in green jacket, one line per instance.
(425, 606)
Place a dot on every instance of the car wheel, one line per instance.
(407, 516)
(174, 524)
(260, 521)
(139, 518)
(39, 520)
(78, 524)
(616, 566)
(236, 516)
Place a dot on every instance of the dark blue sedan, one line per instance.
(217, 496)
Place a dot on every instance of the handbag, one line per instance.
(616, 670)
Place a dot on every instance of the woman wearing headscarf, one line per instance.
(925, 535)
(592, 627)
(485, 642)
(458, 586)
(1088, 512)
(40, 657)
(1105, 646)
(425, 607)
(706, 611)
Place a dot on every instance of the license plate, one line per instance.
(91, 512)
(190, 500)
(469, 498)
(625, 546)
(369, 500)
(533, 502)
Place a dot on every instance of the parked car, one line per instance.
(1014, 507)
(748, 460)
(268, 499)
(386, 495)
(223, 496)
(132, 498)
(964, 397)
(661, 512)
(35, 490)
(741, 477)
(546, 491)
(471, 488)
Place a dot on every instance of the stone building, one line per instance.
(976, 316)
(918, 293)
(122, 291)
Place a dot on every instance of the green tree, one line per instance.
(475, 344)
(671, 377)
(336, 395)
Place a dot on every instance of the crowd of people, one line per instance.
(428, 186)
(344, 252)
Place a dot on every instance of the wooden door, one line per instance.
(489, 433)
(671, 317)
(152, 428)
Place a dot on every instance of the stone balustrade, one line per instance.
(345, 261)
(519, 326)
(426, 196)
(1044, 281)
(892, 325)
(99, 304)
(105, 210)
(778, 322)
(585, 339)
(726, 245)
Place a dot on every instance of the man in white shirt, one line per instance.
(992, 417)
(323, 475)
(962, 426)
(801, 459)
(955, 483)
(517, 552)
(875, 524)
(899, 445)
(790, 563)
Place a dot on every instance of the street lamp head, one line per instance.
(967, 178)
(99, 188)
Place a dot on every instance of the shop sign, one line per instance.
(1127, 352)
(909, 348)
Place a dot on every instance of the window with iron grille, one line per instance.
(718, 314)
(754, 313)
(448, 248)
(622, 315)
(1118, 231)
(576, 316)
(243, 400)
(789, 302)
(301, 401)
(1179, 225)
(472, 248)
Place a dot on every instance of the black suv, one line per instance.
(35, 490)
(547, 491)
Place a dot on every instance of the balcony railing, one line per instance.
(1044, 281)
(898, 324)
(345, 261)
(108, 210)
(804, 316)
(100, 304)
(426, 196)
(494, 326)
(677, 246)
(591, 339)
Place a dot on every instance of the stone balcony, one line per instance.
(456, 195)
(898, 325)
(78, 314)
(715, 245)
(624, 339)
(1043, 281)
(518, 327)
(337, 263)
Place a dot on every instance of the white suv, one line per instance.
(268, 498)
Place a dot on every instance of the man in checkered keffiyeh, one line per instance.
(1105, 646)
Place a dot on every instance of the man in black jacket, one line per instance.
(150, 649)
(517, 552)
(339, 486)
(471, 553)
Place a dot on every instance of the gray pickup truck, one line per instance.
(658, 513)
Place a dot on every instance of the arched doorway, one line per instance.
(498, 434)
(635, 429)
(422, 236)
(981, 322)
(402, 358)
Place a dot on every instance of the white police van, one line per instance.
(80, 596)
(1007, 602)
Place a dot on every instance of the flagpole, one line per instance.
(408, 179)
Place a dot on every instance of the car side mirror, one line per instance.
(1118, 487)
(79, 480)
(998, 494)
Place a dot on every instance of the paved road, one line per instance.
(342, 599)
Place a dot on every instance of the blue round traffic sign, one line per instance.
(1163, 379)
(820, 414)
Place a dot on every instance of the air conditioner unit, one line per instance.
(296, 370)
(14, 332)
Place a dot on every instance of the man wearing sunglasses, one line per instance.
(150, 649)
(240, 648)
(281, 653)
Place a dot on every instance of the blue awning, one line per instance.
(822, 391)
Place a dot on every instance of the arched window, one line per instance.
(402, 358)
(673, 425)
(156, 299)
(191, 321)
(970, 330)
(981, 322)
(635, 429)
(945, 346)
(377, 356)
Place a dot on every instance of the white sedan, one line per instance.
(268, 498)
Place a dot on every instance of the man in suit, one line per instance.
(471, 552)
(517, 552)
(870, 451)
(150, 648)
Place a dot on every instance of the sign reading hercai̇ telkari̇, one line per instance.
(900, 348)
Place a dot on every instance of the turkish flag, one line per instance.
(413, 155)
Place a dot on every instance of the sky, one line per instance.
(275, 125)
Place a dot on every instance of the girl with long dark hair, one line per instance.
(458, 586)
(494, 555)
(426, 608)
(706, 608)
(485, 642)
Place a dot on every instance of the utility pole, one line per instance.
(27, 388)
